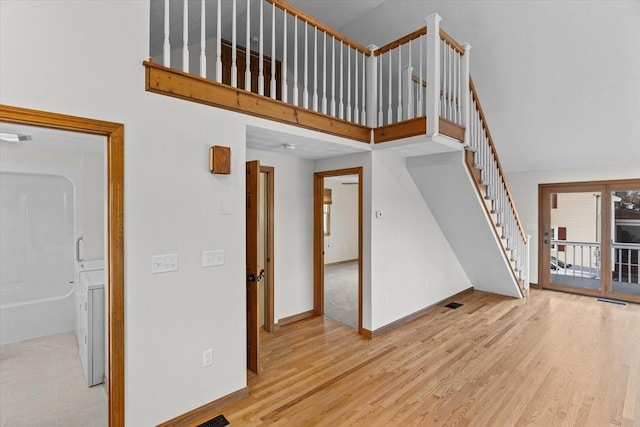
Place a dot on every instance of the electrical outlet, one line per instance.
(207, 358)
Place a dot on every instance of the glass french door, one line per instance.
(589, 238)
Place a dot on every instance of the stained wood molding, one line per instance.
(295, 318)
(207, 411)
(415, 315)
(416, 127)
(114, 132)
(177, 84)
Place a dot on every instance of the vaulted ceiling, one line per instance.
(559, 80)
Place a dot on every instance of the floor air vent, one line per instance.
(454, 305)
(219, 421)
(611, 301)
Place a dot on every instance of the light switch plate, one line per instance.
(164, 263)
(213, 258)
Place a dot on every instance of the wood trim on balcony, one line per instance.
(415, 127)
(451, 129)
(167, 81)
(405, 129)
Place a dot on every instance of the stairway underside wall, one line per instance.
(446, 186)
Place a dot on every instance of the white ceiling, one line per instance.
(305, 148)
(53, 139)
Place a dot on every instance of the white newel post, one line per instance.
(465, 96)
(433, 74)
(372, 87)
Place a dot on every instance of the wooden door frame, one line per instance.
(114, 132)
(318, 239)
(269, 285)
(544, 217)
(252, 214)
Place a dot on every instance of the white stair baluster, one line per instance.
(247, 51)
(409, 83)
(166, 47)
(185, 36)
(390, 108)
(272, 63)
(203, 56)
(284, 87)
(333, 77)
(356, 110)
(294, 101)
(315, 70)
(363, 119)
(305, 91)
(420, 89)
(443, 105)
(400, 83)
(348, 84)
(219, 46)
(261, 52)
(324, 73)
(234, 57)
(341, 105)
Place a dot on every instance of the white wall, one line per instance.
(293, 229)
(85, 59)
(403, 250)
(413, 264)
(524, 187)
(342, 243)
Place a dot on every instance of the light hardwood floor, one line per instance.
(551, 360)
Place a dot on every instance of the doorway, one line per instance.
(590, 238)
(114, 132)
(322, 229)
(260, 260)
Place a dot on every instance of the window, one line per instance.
(326, 219)
(326, 212)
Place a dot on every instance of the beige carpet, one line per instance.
(341, 293)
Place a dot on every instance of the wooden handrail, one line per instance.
(319, 25)
(451, 41)
(418, 80)
(402, 40)
(494, 153)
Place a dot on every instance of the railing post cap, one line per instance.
(435, 17)
(466, 47)
(373, 47)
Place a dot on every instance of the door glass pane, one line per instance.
(626, 241)
(575, 240)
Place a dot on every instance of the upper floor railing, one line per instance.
(298, 60)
